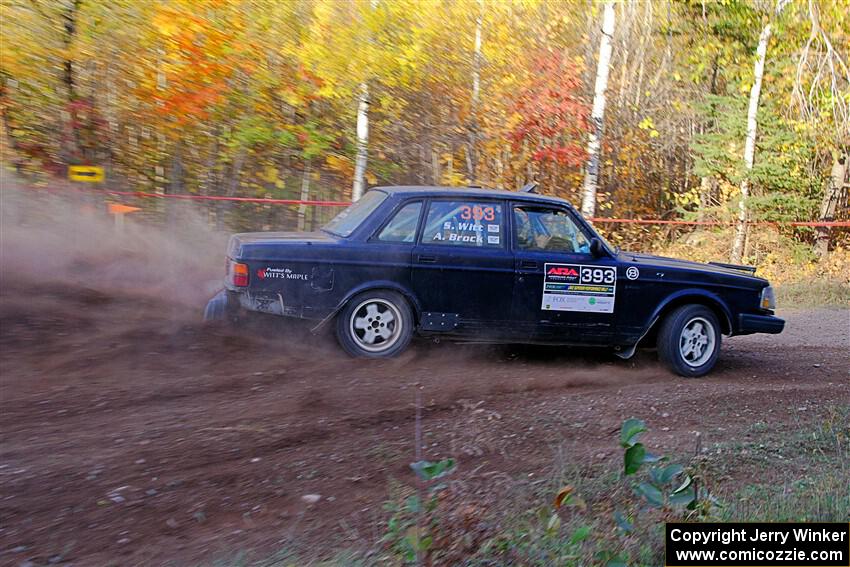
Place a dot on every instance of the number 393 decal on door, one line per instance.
(577, 287)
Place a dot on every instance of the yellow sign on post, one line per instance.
(88, 173)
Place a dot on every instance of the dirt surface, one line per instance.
(133, 435)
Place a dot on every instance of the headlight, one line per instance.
(768, 299)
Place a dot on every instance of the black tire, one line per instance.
(216, 309)
(689, 340)
(221, 308)
(375, 324)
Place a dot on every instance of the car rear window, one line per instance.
(348, 220)
(464, 223)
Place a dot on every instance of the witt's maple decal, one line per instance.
(281, 274)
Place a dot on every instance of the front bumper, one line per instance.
(749, 324)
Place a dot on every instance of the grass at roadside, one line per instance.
(813, 294)
(806, 473)
(801, 278)
(596, 515)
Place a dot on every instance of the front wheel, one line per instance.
(375, 324)
(689, 341)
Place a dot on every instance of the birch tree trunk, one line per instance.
(750, 145)
(591, 177)
(837, 178)
(472, 150)
(362, 143)
(305, 194)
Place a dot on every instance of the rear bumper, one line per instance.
(749, 324)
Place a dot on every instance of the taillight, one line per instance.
(239, 274)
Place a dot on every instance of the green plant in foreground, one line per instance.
(664, 487)
(558, 533)
(406, 534)
(656, 490)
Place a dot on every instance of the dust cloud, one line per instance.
(163, 265)
(67, 237)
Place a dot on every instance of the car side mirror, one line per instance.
(596, 248)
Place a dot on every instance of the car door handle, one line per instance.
(527, 264)
(426, 259)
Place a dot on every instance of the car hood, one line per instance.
(677, 264)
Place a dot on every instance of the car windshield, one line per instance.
(595, 232)
(348, 220)
(615, 249)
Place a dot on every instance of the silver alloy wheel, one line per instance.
(375, 325)
(697, 342)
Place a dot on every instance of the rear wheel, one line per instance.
(689, 340)
(221, 308)
(375, 324)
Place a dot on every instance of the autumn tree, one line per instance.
(233, 98)
(819, 94)
(551, 116)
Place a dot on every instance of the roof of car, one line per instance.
(431, 190)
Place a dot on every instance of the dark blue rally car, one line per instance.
(495, 266)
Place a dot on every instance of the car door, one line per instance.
(463, 271)
(561, 290)
(389, 250)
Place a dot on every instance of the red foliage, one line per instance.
(553, 117)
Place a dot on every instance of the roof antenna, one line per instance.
(530, 187)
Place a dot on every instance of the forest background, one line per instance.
(729, 113)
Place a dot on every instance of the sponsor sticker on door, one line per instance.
(579, 287)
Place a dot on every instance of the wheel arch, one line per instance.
(690, 297)
(415, 307)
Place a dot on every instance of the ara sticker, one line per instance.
(577, 287)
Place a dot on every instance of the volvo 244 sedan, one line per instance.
(476, 264)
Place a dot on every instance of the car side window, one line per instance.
(464, 223)
(402, 227)
(551, 230)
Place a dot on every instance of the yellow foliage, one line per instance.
(165, 23)
(341, 165)
(269, 174)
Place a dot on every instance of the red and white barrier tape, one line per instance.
(720, 223)
(316, 203)
(236, 199)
